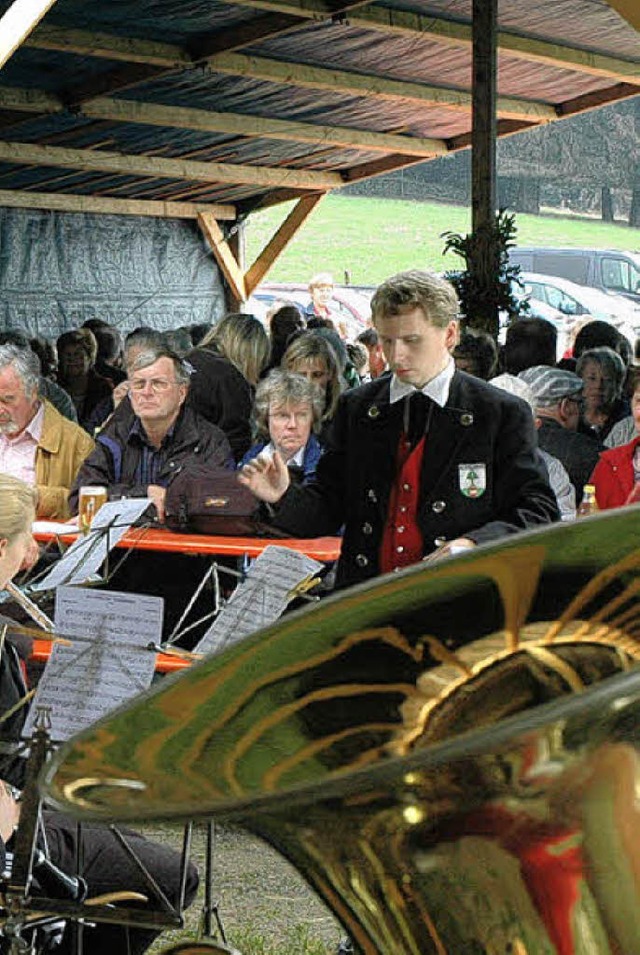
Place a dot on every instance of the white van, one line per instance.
(604, 269)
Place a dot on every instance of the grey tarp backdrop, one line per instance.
(59, 269)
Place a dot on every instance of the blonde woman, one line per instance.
(227, 366)
(312, 355)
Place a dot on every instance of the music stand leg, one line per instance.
(211, 909)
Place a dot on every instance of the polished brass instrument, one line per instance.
(449, 754)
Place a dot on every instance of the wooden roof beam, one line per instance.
(67, 202)
(224, 255)
(405, 23)
(150, 167)
(367, 85)
(279, 241)
(18, 22)
(27, 101)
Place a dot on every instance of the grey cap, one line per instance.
(550, 385)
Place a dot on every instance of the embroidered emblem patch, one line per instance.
(472, 479)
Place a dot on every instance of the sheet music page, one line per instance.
(261, 598)
(87, 554)
(106, 665)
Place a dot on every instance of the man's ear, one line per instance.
(4, 543)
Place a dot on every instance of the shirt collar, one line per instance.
(34, 428)
(437, 389)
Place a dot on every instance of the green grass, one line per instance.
(373, 238)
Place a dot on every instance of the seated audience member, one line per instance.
(103, 862)
(529, 342)
(359, 358)
(313, 356)
(617, 474)
(47, 388)
(77, 352)
(287, 412)
(603, 372)
(48, 355)
(227, 366)
(110, 349)
(558, 399)
(138, 456)
(477, 354)
(558, 478)
(37, 444)
(377, 362)
(285, 322)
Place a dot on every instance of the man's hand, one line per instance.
(266, 477)
(119, 392)
(450, 549)
(9, 811)
(158, 496)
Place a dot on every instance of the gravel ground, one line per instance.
(265, 905)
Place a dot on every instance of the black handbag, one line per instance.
(212, 501)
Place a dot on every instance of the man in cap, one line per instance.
(558, 398)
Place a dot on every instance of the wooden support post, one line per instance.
(485, 260)
(280, 240)
(224, 256)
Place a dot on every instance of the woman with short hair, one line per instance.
(287, 411)
(603, 373)
(77, 353)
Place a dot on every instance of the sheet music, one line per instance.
(87, 554)
(106, 665)
(261, 598)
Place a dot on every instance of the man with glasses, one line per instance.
(138, 457)
(558, 399)
(137, 454)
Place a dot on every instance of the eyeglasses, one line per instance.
(158, 385)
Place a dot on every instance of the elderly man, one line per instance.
(422, 462)
(138, 457)
(558, 399)
(37, 444)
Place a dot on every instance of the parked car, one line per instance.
(608, 270)
(579, 302)
(350, 305)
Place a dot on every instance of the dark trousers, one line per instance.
(106, 867)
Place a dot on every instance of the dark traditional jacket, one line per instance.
(577, 451)
(115, 460)
(481, 477)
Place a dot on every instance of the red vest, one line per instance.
(402, 541)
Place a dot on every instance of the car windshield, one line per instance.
(621, 275)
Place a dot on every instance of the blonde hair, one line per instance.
(306, 349)
(415, 289)
(243, 340)
(17, 507)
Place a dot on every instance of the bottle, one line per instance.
(588, 504)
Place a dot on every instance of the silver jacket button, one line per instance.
(438, 507)
(367, 528)
(440, 541)
(373, 411)
(372, 496)
(361, 560)
(466, 419)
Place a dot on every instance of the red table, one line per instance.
(161, 540)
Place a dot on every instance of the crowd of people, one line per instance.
(413, 442)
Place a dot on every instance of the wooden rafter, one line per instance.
(365, 84)
(451, 32)
(201, 120)
(18, 22)
(629, 10)
(279, 241)
(98, 160)
(224, 256)
(65, 202)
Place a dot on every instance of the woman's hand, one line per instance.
(267, 477)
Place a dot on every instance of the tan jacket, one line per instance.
(62, 448)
